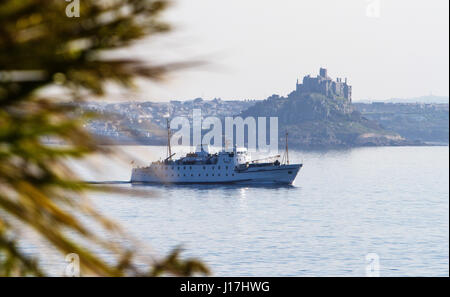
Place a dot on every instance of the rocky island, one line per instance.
(319, 114)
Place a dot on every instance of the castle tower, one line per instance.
(325, 85)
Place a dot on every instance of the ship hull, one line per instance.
(276, 174)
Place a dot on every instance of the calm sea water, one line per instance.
(391, 201)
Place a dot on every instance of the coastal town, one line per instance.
(145, 122)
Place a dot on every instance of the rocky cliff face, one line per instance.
(316, 121)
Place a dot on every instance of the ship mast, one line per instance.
(169, 149)
(287, 149)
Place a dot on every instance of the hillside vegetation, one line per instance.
(316, 121)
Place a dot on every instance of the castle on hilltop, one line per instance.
(324, 85)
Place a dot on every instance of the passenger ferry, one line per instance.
(203, 166)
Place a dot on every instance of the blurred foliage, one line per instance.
(40, 46)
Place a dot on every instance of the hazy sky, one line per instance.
(256, 48)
